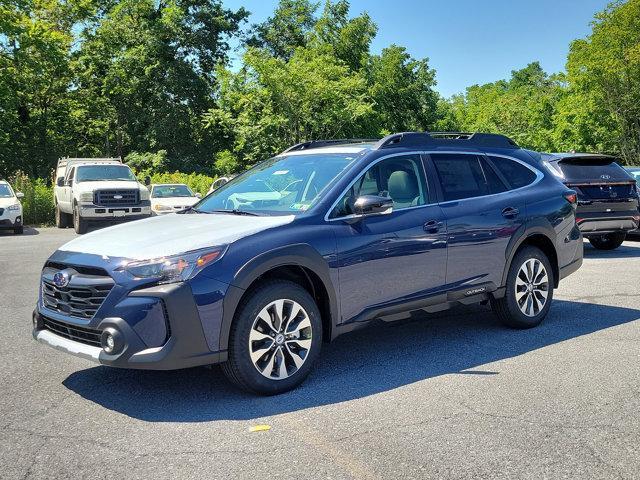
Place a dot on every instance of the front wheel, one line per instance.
(18, 230)
(79, 224)
(529, 290)
(275, 338)
(62, 219)
(608, 241)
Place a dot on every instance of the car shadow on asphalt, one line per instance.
(629, 249)
(377, 359)
(27, 231)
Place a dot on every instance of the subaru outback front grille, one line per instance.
(88, 336)
(72, 293)
(115, 198)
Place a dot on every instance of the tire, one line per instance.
(608, 241)
(256, 329)
(79, 225)
(18, 230)
(520, 307)
(62, 219)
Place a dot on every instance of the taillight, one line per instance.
(571, 197)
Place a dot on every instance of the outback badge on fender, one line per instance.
(61, 279)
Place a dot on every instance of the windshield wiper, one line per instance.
(235, 211)
(192, 209)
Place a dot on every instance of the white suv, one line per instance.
(10, 208)
(89, 190)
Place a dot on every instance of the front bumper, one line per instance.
(141, 341)
(10, 219)
(90, 211)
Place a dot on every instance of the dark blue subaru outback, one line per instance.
(315, 242)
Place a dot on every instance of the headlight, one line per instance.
(86, 197)
(177, 268)
(144, 194)
(14, 207)
(161, 208)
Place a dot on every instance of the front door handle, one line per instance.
(433, 226)
(510, 212)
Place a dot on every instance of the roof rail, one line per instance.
(324, 143)
(457, 139)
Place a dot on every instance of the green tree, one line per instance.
(146, 73)
(522, 107)
(603, 71)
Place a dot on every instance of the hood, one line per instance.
(7, 202)
(108, 185)
(171, 234)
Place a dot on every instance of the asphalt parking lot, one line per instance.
(449, 396)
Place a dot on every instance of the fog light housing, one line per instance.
(111, 341)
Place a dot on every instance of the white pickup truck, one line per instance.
(97, 189)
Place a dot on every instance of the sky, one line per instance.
(470, 42)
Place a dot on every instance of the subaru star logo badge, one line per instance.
(61, 279)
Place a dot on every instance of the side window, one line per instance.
(69, 175)
(399, 178)
(465, 176)
(515, 173)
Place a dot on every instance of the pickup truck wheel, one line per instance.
(529, 290)
(79, 225)
(275, 338)
(62, 219)
(608, 241)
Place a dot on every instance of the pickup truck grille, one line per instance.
(88, 336)
(80, 298)
(116, 198)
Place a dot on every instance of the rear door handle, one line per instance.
(510, 212)
(433, 226)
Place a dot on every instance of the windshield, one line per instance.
(635, 173)
(5, 191)
(168, 191)
(97, 173)
(281, 185)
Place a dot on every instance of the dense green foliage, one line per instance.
(151, 81)
(37, 204)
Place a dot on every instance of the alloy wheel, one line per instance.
(280, 339)
(532, 287)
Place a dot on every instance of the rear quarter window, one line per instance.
(515, 173)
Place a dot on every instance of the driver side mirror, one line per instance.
(147, 180)
(60, 182)
(19, 195)
(372, 205)
(198, 195)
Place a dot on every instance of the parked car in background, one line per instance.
(218, 182)
(97, 190)
(10, 209)
(635, 173)
(607, 196)
(171, 197)
(358, 231)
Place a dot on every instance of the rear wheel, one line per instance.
(275, 338)
(529, 290)
(608, 241)
(79, 224)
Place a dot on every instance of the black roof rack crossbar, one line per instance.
(324, 143)
(438, 139)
